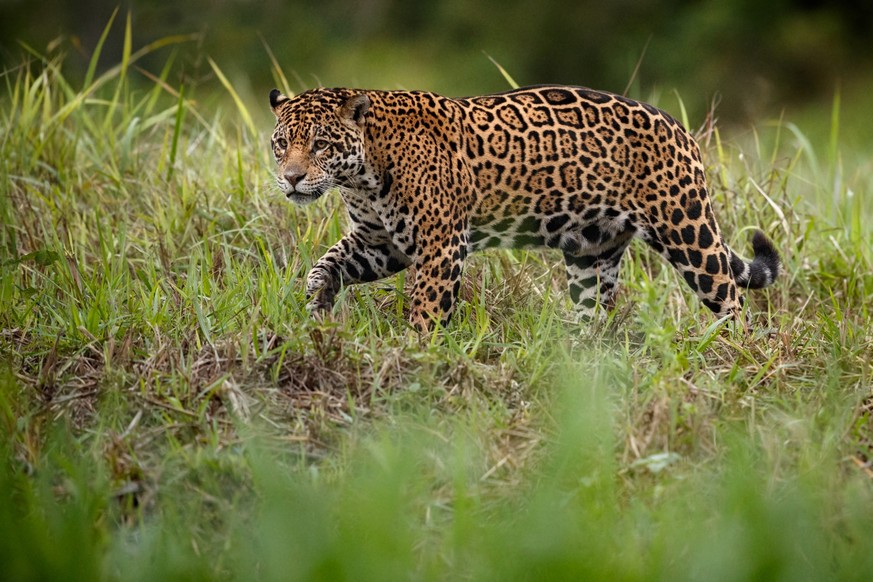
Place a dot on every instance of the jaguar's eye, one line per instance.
(319, 145)
(282, 143)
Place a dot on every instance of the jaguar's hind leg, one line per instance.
(592, 278)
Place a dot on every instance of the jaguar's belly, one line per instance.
(570, 230)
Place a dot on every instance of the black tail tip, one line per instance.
(766, 253)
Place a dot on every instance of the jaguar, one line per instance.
(427, 179)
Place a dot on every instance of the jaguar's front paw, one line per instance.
(318, 305)
(320, 291)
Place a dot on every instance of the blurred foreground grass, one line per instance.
(169, 411)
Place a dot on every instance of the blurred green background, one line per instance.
(755, 57)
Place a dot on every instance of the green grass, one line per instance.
(169, 411)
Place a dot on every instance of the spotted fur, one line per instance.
(428, 179)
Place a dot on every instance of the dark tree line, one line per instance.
(751, 52)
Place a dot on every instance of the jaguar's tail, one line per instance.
(762, 270)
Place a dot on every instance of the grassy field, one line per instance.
(169, 411)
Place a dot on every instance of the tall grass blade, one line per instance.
(127, 47)
(278, 73)
(834, 138)
(241, 107)
(503, 72)
(121, 86)
(177, 131)
(92, 65)
(636, 71)
(683, 113)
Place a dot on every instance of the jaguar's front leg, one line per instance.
(437, 283)
(354, 259)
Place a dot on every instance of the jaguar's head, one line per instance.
(318, 142)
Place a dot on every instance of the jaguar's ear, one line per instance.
(355, 109)
(276, 99)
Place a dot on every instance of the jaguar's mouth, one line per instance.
(301, 198)
(303, 193)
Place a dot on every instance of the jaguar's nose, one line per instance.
(293, 178)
